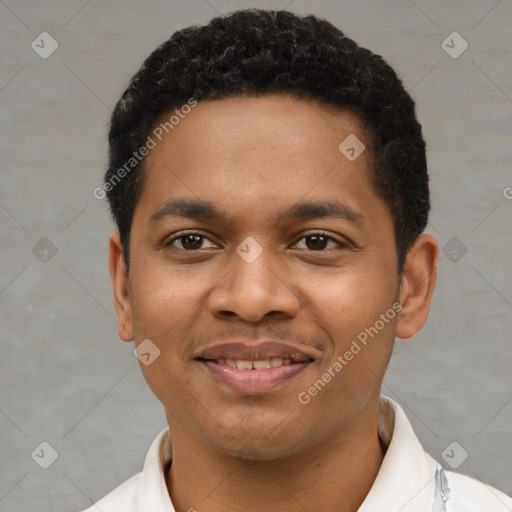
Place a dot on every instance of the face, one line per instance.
(260, 255)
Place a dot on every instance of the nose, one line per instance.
(253, 288)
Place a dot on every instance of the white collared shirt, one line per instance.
(409, 479)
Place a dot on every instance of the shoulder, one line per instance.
(470, 495)
(122, 497)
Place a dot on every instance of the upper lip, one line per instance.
(250, 351)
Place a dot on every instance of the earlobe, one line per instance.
(417, 286)
(120, 287)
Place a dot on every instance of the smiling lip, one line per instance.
(255, 368)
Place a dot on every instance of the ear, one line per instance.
(417, 285)
(120, 288)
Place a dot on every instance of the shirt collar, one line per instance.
(153, 494)
(405, 480)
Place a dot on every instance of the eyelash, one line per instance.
(183, 234)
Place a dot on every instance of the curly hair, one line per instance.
(259, 52)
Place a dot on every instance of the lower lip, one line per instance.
(254, 381)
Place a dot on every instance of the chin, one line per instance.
(257, 442)
(258, 451)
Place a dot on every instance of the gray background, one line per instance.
(67, 379)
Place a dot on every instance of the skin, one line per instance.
(252, 157)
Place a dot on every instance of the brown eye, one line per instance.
(319, 241)
(189, 241)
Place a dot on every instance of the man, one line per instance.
(269, 184)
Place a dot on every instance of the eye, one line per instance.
(193, 241)
(319, 241)
(189, 241)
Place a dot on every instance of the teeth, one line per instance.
(262, 364)
(244, 365)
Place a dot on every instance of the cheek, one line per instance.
(349, 308)
(164, 307)
(162, 299)
(347, 302)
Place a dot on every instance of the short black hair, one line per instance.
(257, 52)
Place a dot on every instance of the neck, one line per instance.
(332, 476)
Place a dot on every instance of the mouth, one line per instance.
(254, 369)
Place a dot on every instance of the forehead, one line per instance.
(272, 122)
(251, 152)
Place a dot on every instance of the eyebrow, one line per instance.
(205, 210)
